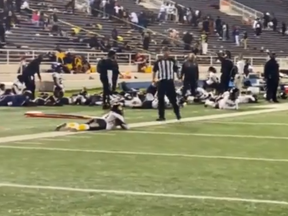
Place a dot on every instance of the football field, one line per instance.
(212, 163)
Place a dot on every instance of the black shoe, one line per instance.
(161, 119)
(178, 117)
(276, 101)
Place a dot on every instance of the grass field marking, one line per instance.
(28, 143)
(247, 123)
(158, 154)
(281, 107)
(55, 139)
(208, 135)
(134, 193)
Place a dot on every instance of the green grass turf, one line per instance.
(148, 173)
(13, 121)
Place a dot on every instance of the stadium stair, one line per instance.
(268, 39)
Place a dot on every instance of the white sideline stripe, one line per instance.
(247, 123)
(144, 153)
(282, 107)
(134, 193)
(55, 139)
(209, 135)
(28, 143)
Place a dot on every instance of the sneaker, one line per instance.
(161, 119)
(60, 127)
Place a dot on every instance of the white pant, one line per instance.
(238, 81)
(237, 41)
(204, 48)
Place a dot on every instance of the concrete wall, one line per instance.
(8, 74)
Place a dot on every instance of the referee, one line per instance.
(166, 68)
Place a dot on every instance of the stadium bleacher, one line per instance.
(33, 37)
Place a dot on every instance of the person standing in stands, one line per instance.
(70, 4)
(103, 66)
(165, 68)
(271, 75)
(190, 71)
(204, 43)
(2, 33)
(29, 74)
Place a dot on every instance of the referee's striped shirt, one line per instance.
(166, 68)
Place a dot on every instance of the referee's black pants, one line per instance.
(106, 90)
(167, 87)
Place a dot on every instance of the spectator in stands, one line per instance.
(218, 26)
(35, 18)
(114, 34)
(266, 20)
(275, 23)
(18, 4)
(204, 43)
(187, 39)
(283, 28)
(180, 13)
(257, 26)
(134, 20)
(224, 31)
(2, 33)
(245, 39)
(236, 35)
(70, 4)
(8, 21)
(25, 5)
(146, 40)
(205, 25)
(196, 16)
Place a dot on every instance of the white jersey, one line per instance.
(18, 87)
(110, 119)
(134, 102)
(58, 81)
(212, 78)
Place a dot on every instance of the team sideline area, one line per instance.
(232, 166)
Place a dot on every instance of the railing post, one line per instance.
(211, 60)
(7, 57)
(88, 56)
(129, 58)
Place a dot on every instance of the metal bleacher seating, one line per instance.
(269, 40)
(278, 8)
(30, 37)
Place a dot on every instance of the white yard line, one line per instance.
(55, 139)
(281, 107)
(28, 143)
(209, 135)
(134, 193)
(247, 123)
(145, 153)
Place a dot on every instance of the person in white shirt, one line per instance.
(239, 77)
(212, 81)
(25, 5)
(134, 18)
(18, 86)
(162, 13)
(111, 120)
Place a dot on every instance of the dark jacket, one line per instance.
(190, 70)
(271, 70)
(32, 68)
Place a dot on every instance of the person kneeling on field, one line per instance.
(114, 118)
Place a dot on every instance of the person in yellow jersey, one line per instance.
(114, 118)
